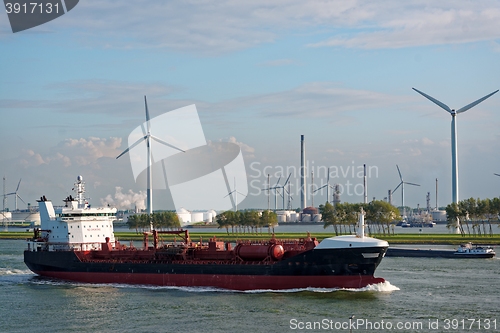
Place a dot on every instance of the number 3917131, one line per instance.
(31, 8)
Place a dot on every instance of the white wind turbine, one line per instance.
(148, 137)
(327, 185)
(454, 158)
(284, 190)
(235, 202)
(15, 194)
(402, 184)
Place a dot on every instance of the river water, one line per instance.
(420, 295)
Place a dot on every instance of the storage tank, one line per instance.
(209, 216)
(293, 217)
(438, 215)
(259, 251)
(197, 217)
(281, 218)
(306, 218)
(316, 218)
(184, 215)
(310, 210)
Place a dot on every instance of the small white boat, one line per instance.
(470, 251)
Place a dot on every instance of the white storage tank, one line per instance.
(316, 218)
(306, 218)
(438, 215)
(293, 217)
(209, 216)
(197, 217)
(184, 215)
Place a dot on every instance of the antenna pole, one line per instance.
(364, 185)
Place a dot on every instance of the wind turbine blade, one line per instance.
(132, 146)
(277, 182)
(17, 189)
(432, 99)
(147, 112)
(241, 193)
(229, 194)
(496, 174)
(166, 144)
(319, 188)
(287, 179)
(412, 184)
(397, 187)
(21, 198)
(467, 107)
(400, 177)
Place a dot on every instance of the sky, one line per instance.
(261, 74)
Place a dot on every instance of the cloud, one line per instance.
(87, 151)
(221, 26)
(127, 200)
(80, 151)
(30, 158)
(393, 24)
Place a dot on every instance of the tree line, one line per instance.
(379, 217)
(247, 221)
(161, 221)
(474, 213)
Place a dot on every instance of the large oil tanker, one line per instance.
(76, 242)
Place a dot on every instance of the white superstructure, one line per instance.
(76, 225)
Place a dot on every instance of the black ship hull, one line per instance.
(316, 268)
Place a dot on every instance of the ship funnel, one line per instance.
(361, 224)
(47, 212)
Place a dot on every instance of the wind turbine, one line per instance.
(15, 193)
(148, 138)
(235, 202)
(282, 194)
(402, 184)
(327, 185)
(285, 190)
(272, 188)
(454, 159)
(496, 174)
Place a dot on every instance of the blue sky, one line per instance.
(261, 74)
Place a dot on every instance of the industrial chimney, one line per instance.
(302, 173)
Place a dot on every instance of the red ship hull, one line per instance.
(233, 282)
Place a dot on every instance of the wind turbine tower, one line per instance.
(148, 138)
(16, 195)
(454, 159)
(402, 184)
(235, 191)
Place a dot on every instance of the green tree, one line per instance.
(270, 219)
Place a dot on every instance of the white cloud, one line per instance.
(87, 151)
(214, 27)
(129, 200)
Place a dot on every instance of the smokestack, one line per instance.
(436, 194)
(389, 196)
(364, 185)
(302, 173)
